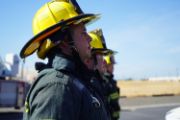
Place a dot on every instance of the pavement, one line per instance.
(137, 108)
(149, 102)
(148, 108)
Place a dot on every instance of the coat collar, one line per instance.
(62, 62)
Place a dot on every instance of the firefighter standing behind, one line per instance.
(58, 93)
(113, 91)
(106, 85)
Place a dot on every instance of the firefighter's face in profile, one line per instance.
(101, 64)
(110, 68)
(81, 41)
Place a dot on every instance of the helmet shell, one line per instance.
(52, 17)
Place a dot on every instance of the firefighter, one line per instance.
(113, 98)
(104, 60)
(59, 92)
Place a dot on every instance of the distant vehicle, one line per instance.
(12, 90)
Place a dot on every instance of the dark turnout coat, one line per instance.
(106, 86)
(58, 94)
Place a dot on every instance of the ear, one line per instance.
(63, 45)
(65, 48)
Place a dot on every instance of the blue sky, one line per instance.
(146, 33)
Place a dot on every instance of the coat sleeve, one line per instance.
(56, 101)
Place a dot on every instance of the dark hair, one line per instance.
(59, 35)
(57, 38)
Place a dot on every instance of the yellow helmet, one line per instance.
(95, 41)
(48, 44)
(98, 44)
(62, 0)
(50, 18)
(44, 48)
(109, 58)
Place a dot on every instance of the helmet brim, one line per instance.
(33, 44)
(103, 51)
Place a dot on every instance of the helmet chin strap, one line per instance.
(75, 53)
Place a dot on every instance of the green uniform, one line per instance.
(58, 94)
(106, 87)
(112, 92)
